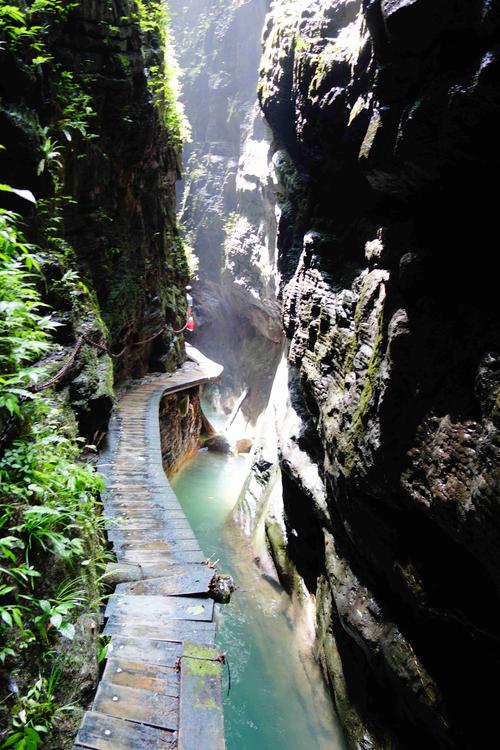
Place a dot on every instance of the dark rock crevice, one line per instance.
(388, 112)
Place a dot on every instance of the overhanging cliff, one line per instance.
(385, 117)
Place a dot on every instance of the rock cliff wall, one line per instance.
(385, 114)
(89, 154)
(181, 424)
(227, 204)
(83, 130)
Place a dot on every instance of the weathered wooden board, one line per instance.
(100, 732)
(135, 572)
(148, 534)
(148, 537)
(201, 721)
(162, 653)
(161, 608)
(174, 630)
(157, 515)
(189, 580)
(135, 503)
(160, 711)
(126, 508)
(143, 556)
(136, 542)
(142, 676)
(119, 488)
(144, 511)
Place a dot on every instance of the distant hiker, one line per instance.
(189, 300)
(189, 314)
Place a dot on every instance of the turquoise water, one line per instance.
(277, 698)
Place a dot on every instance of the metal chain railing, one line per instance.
(80, 341)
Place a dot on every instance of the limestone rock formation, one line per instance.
(385, 115)
(81, 132)
(181, 423)
(227, 205)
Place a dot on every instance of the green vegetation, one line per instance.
(26, 32)
(51, 544)
(26, 27)
(163, 70)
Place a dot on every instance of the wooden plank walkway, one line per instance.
(161, 688)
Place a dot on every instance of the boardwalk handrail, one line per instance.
(156, 690)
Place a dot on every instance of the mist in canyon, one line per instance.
(330, 206)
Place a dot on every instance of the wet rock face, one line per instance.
(227, 205)
(180, 428)
(385, 115)
(123, 224)
(117, 223)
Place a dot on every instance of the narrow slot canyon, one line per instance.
(249, 379)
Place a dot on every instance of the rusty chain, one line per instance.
(84, 339)
(60, 374)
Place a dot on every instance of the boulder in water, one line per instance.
(218, 444)
(244, 445)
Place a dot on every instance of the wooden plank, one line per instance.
(151, 708)
(135, 503)
(174, 630)
(146, 513)
(190, 579)
(136, 542)
(142, 675)
(159, 539)
(149, 534)
(179, 538)
(161, 608)
(100, 732)
(201, 721)
(162, 653)
(117, 572)
(142, 556)
(145, 509)
(117, 486)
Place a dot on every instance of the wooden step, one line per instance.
(190, 579)
(143, 556)
(162, 653)
(146, 706)
(123, 572)
(142, 675)
(201, 722)
(101, 732)
(160, 608)
(174, 630)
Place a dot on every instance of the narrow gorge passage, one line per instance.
(155, 689)
(301, 189)
(276, 697)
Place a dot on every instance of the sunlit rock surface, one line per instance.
(227, 206)
(385, 117)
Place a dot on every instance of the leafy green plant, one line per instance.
(163, 73)
(49, 501)
(51, 153)
(34, 714)
(24, 331)
(76, 106)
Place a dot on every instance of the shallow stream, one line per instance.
(277, 698)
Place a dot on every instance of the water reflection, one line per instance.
(278, 698)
